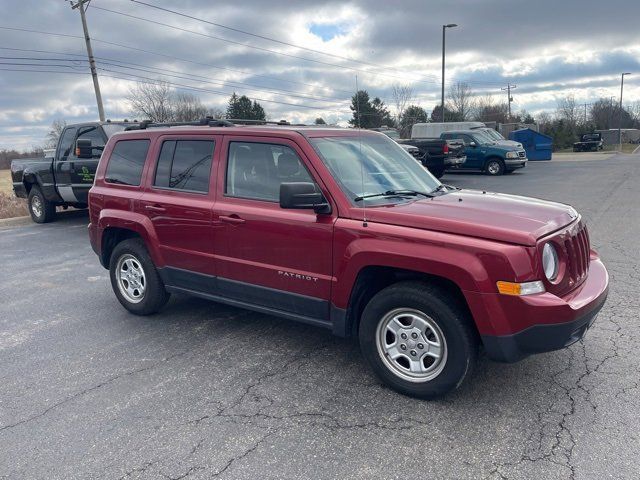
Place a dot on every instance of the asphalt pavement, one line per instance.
(203, 390)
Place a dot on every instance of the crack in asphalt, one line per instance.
(92, 389)
(244, 454)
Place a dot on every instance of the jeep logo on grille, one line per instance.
(297, 276)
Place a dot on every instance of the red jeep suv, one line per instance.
(343, 229)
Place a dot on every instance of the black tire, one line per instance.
(154, 295)
(41, 210)
(440, 307)
(494, 167)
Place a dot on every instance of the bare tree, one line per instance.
(544, 119)
(402, 96)
(216, 113)
(461, 100)
(487, 110)
(186, 107)
(568, 110)
(152, 100)
(57, 126)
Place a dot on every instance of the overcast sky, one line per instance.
(549, 49)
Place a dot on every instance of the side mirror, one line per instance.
(303, 196)
(84, 148)
(473, 144)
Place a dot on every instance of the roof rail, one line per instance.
(242, 121)
(207, 121)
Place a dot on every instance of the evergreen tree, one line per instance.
(373, 113)
(242, 108)
(412, 114)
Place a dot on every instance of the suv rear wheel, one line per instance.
(418, 339)
(134, 278)
(40, 209)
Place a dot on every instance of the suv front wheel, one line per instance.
(494, 167)
(134, 278)
(418, 339)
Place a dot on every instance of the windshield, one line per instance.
(370, 165)
(391, 134)
(482, 138)
(111, 128)
(493, 134)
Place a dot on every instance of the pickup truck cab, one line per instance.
(485, 154)
(341, 229)
(65, 175)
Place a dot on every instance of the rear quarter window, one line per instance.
(126, 162)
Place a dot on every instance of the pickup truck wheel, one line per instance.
(135, 280)
(418, 339)
(41, 210)
(494, 167)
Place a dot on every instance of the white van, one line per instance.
(433, 130)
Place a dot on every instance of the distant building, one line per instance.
(629, 135)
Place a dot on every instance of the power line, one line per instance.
(215, 92)
(264, 37)
(164, 55)
(186, 76)
(179, 86)
(368, 72)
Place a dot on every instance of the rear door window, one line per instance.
(185, 165)
(126, 162)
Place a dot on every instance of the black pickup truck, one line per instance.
(65, 178)
(438, 155)
(589, 142)
(435, 154)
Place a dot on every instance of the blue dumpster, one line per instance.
(537, 145)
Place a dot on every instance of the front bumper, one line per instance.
(550, 322)
(513, 163)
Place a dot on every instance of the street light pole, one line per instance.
(444, 27)
(620, 112)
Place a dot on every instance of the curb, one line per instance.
(15, 221)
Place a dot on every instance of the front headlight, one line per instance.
(550, 262)
(512, 155)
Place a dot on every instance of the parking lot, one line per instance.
(203, 390)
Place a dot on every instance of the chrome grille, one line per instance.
(522, 154)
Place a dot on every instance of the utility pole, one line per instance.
(80, 5)
(508, 88)
(585, 114)
(444, 27)
(620, 112)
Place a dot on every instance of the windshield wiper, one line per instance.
(394, 193)
(444, 186)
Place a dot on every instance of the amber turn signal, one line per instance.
(519, 289)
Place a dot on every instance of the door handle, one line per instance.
(155, 208)
(232, 219)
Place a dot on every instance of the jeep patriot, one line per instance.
(343, 229)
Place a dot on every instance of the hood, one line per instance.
(510, 143)
(494, 216)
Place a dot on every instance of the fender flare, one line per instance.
(140, 224)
